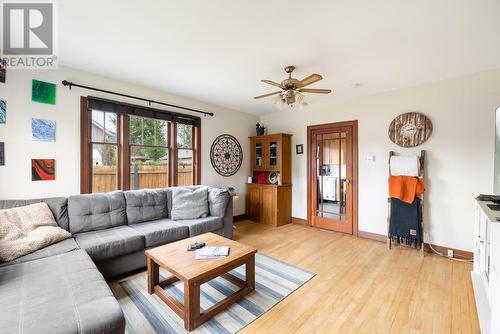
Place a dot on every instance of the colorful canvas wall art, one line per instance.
(3, 70)
(2, 154)
(3, 112)
(43, 92)
(43, 129)
(43, 169)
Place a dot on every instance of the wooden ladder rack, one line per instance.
(421, 196)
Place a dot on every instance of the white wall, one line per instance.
(15, 177)
(460, 150)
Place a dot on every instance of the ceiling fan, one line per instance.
(292, 89)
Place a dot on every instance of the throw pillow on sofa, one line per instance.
(26, 229)
(189, 203)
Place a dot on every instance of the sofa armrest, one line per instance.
(228, 219)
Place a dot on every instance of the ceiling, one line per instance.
(217, 51)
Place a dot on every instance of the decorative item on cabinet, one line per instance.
(273, 177)
(269, 201)
(259, 129)
(261, 178)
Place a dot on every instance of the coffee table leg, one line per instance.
(250, 273)
(191, 304)
(153, 275)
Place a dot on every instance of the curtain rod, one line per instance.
(72, 84)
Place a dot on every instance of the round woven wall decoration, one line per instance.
(410, 129)
(226, 155)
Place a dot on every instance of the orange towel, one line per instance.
(405, 188)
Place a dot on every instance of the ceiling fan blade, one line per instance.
(265, 95)
(313, 90)
(269, 82)
(310, 80)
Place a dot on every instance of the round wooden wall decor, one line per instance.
(226, 155)
(410, 129)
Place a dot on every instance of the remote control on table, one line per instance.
(196, 245)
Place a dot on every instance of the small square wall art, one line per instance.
(3, 111)
(43, 169)
(43, 92)
(3, 70)
(43, 129)
(2, 154)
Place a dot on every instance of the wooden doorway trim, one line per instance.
(310, 155)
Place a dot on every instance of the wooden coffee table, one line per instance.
(175, 258)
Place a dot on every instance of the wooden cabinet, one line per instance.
(254, 195)
(272, 153)
(269, 203)
(332, 153)
(258, 154)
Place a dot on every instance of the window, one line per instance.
(104, 151)
(184, 155)
(133, 147)
(148, 153)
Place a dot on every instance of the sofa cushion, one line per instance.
(112, 242)
(161, 231)
(203, 225)
(26, 229)
(61, 247)
(189, 203)
(217, 201)
(58, 206)
(146, 205)
(59, 294)
(93, 212)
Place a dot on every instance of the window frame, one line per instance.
(124, 148)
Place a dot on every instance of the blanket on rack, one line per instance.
(405, 224)
(405, 188)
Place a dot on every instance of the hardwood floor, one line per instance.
(361, 287)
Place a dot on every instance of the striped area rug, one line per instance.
(144, 313)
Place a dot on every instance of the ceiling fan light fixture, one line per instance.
(292, 90)
(277, 99)
(299, 97)
(279, 103)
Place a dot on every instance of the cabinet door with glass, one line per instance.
(258, 154)
(272, 152)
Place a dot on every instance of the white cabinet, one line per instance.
(494, 278)
(486, 273)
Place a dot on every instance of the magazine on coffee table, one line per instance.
(211, 252)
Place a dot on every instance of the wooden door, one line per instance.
(331, 164)
(258, 153)
(254, 198)
(268, 214)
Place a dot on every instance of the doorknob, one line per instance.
(348, 181)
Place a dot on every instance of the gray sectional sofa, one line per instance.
(62, 289)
